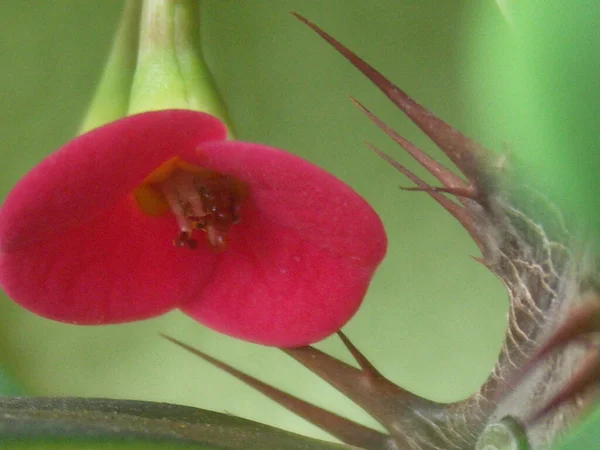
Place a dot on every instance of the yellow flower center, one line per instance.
(199, 198)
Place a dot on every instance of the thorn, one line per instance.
(392, 406)
(468, 192)
(581, 320)
(581, 326)
(465, 153)
(443, 174)
(586, 375)
(363, 362)
(344, 429)
(460, 213)
(480, 261)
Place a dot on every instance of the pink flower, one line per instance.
(269, 248)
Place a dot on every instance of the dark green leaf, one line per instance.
(78, 423)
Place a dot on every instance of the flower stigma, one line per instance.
(201, 200)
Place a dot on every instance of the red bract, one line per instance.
(76, 246)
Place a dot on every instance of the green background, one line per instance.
(433, 320)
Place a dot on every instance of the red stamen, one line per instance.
(205, 201)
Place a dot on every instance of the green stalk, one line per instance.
(111, 99)
(157, 83)
(202, 92)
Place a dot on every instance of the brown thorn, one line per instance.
(581, 319)
(386, 402)
(443, 174)
(363, 362)
(344, 429)
(464, 152)
(460, 213)
(480, 261)
(587, 374)
(468, 192)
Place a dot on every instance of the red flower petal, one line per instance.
(299, 263)
(75, 248)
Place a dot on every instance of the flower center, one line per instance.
(200, 199)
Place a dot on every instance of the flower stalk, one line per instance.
(200, 86)
(158, 82)
(111, 99)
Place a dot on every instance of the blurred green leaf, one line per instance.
(537, 81)
(584, 435)
(77, 423)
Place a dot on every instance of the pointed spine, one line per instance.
(460, 213)
(467, 154)
(445, 176)
(344, 429)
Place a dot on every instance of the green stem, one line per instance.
(157, 83)
(111, 99)
(202, 92)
